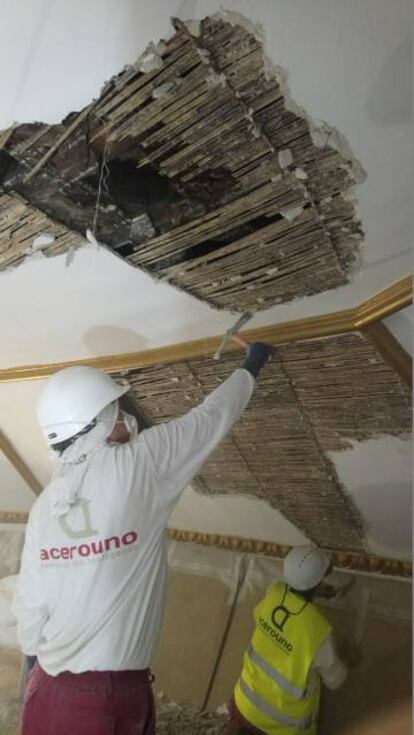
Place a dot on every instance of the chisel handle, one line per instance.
(239, 341)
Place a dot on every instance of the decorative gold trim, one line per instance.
(386, 302)
(14, 458)
(341, 559)
(13, 516)
(391, 350)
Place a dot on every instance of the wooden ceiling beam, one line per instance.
(19, 465)
(391, 350)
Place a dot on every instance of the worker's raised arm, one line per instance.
(28, 604)
(180, 447)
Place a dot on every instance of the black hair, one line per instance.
(306, 594)
(62, 446)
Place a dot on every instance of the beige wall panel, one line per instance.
(378, 691)
(196, 614)
(232, 658)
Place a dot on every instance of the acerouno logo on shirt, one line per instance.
(272, 633)
(95, 548)
(86, 530)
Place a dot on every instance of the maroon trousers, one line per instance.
(92, 703)
(238, 725)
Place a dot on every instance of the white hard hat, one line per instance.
(72, 398)
(304, 567)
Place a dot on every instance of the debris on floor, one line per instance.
(183, 719)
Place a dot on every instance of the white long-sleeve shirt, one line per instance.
(90, 594)
(329, 666)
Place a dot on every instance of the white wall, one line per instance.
(378, 474)
(401, 325)
(234, 515)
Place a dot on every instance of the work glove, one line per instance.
(258, 354)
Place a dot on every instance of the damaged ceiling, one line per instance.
(314, 398)
(209, 177)
(206, 175)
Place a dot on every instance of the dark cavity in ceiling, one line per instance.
(207, 178)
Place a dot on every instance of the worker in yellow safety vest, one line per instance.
(291, 650)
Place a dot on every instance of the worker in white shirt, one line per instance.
(291, 651)
(90, 594)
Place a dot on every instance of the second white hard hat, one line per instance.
(72, 398)
(304, 567)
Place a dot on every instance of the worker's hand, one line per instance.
(258, 354)
(349, 652)
(327, 591)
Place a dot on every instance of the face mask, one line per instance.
(131, 424)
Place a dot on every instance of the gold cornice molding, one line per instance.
(386, 302)
(342, 559)
(13, 516)
(353, 561)
(382, 304)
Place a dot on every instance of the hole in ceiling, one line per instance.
(206, 247)
(196, 165)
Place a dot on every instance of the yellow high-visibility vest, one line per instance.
(278, 692)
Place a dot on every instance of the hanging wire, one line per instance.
(103, 184)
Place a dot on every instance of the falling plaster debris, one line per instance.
(285, 157)
(216, 80)
(42, 241)
(193, 27)
(321, 133)
(291, 213)
(237, 19)
(162, 90)
(151, 58)
(300, 173)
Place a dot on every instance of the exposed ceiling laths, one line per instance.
(246, 209)
(314, 397)
(21, 224)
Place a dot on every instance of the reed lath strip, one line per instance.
(20, 224)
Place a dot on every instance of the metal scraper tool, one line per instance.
(231, 334)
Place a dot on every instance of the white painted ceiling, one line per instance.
(348, 63)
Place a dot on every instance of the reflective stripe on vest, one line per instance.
(277, 677)
(272, 713)
(278, 691)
